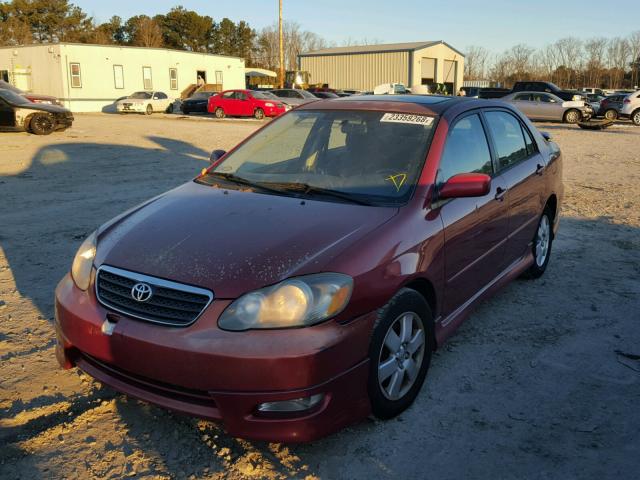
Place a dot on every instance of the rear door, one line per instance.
(245, 104)
(522, 101)
(475, 229)
(547, 107)
(230, 103)
(521, 166)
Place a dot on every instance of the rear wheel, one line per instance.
(42, 124)
(572, 116)
(219, 113)
(258, 114)
(541, 248)
(611, 114)
(399, 353)
(149, 110)
(635, 117)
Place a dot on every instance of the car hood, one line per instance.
(44, 107)
(137, 101)
(231, 241)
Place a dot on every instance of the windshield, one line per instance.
(13, 97)
(198, 96)
(141, 95)
(306, 94)
(373, 156)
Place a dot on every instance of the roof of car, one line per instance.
(426, 104)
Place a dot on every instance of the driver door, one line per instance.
(475, 229)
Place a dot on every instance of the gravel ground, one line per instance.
(543, 381)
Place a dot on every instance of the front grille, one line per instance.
(170, 303)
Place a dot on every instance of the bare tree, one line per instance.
(148, 33)
(475, 62)
(634, 53)
(617, 60)
(595, 49)
(296, 41)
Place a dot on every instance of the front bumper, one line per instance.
(135, 108)
(203, 371)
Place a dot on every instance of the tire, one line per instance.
(42, 124)
(635, 117)
(148, 110)
(572, 116)
(611, 114)
(398, 361)
(219, 112)
(541, 247)
(185, 112)
(258, 114)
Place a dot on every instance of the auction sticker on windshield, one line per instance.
(407, 118)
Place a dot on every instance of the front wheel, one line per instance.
(611, 114)
(258, 114)
(399, 353)
(635, 117)
(572, 116)
(42, 124)
(541, 248)
(149, 110)
(219, 113)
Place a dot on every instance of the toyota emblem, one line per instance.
(141, 292)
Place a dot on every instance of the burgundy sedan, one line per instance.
(304, 280)
(245, 103)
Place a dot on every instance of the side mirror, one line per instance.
(466, 185)
(216, 155)
(546, 136)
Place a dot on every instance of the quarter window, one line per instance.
(508, 138)
(466, 150)
(173, 78)
(76, 78)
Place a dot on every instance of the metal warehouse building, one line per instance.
(88, 78)
(364, 67)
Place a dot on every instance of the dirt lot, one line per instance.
(541, 382)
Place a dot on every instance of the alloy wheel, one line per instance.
(401, 355)
(543, 238)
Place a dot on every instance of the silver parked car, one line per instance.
(547, 106)
(294, 97)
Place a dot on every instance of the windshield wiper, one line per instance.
(230, 177)
(310, 189)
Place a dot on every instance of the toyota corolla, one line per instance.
(303, 281)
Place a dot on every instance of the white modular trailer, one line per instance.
(89, 78)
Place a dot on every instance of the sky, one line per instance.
(493, 24)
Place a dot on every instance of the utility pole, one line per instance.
(281, 47)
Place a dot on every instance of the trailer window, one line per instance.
(76, 79)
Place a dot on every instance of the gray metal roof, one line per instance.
(387, 47)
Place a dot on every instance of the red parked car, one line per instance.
(304, 280)
(244, 103)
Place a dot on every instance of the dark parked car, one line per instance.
(197, 103)
(33, 97)
(304, 280)
(17, 113)
(610, 106)
(548, 87)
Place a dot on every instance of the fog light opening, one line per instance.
(296, 405)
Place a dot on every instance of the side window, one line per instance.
(118, 77)
(241, 95)
(76, 77)
(509, 140)
(161, 96)
(146, 78)
(173, 78)
(523, 97)
(228, 95)
(466, 150)
(296, 95)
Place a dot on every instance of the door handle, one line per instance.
(500, 193)
(539, 169)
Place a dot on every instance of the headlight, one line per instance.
(83, 262)
(296, 302)
(269, 104)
